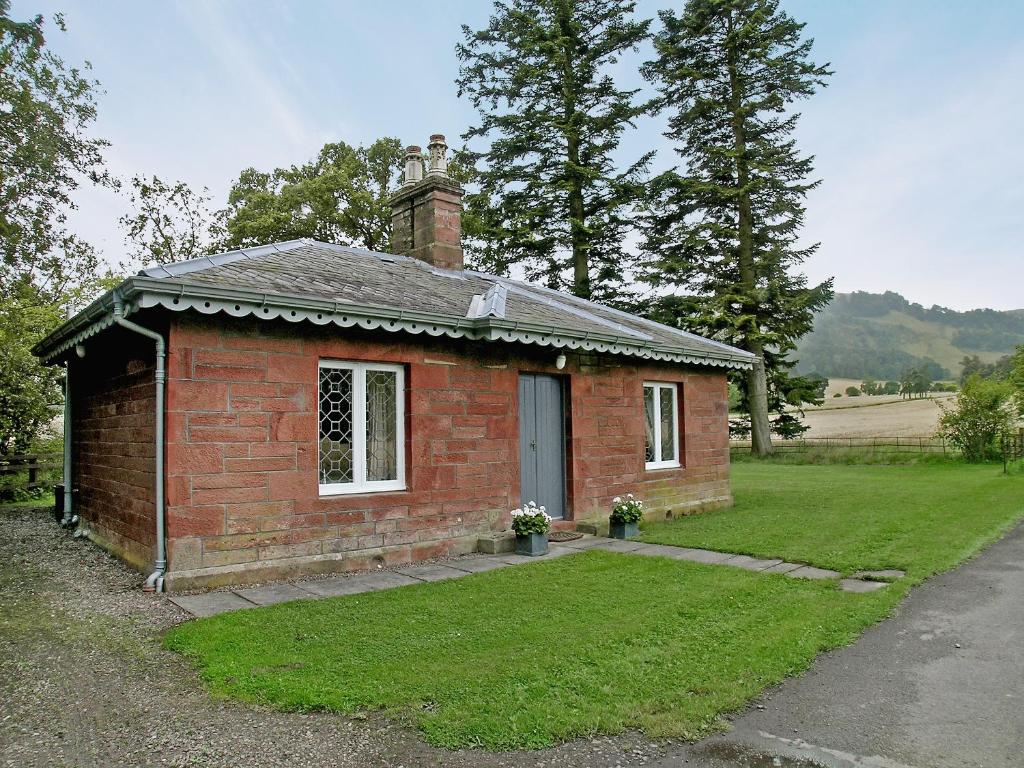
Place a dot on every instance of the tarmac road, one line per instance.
(940, 685)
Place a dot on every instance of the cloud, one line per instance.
(923, 181)
(237, 58)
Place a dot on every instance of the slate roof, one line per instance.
(309, 280)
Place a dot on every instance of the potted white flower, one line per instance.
(625, 516)
(531, 525)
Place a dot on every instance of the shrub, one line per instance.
(984, 413)
(852, 392)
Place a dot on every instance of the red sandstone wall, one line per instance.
(607, 442)
(113, 402)
(242, 453)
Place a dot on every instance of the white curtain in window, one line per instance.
(381, 448)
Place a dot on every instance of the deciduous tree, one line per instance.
(984, 413)
(28, 390)
(169, 221)
(339, 197)
(726, 227)
(46, 109)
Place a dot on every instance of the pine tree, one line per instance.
(550, 195)
(726, 228)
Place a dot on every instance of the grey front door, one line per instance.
(542, 442)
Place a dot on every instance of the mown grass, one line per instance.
(599, 642)
(528, 656)
(921, 519)
(854, 455)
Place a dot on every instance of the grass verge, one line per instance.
(922, 519)
(46, 500)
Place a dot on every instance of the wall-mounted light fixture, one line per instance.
(80, 350)
(560, 362)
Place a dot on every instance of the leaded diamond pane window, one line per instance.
(362, 413)
(649, 423)
(661, 422)
(335, 426)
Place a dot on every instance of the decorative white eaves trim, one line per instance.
(486, 329)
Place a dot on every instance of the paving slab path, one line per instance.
(221, 601)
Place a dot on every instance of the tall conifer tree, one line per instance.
(726, 228)
(551, 197)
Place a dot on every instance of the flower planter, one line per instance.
(532, 544)
(623, 530)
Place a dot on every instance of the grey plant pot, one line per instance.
(532, 544)
(623, 530)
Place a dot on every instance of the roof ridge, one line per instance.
(639, 319)
(517, 286)
(187, 266)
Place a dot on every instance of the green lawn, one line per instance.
(528, 656)
(922, 519)
(600, 642)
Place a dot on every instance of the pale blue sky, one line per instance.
(918, 137)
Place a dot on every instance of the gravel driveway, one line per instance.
(85, 682)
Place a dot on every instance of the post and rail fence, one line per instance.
(1013, 448)
(872, 444)
(27, 472)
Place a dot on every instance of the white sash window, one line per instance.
(362, 427)
(661, 422)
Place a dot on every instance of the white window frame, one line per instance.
(359, 482)
(658, 463)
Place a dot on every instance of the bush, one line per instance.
(984, 413)
(852, 392)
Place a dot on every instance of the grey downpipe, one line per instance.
(68, 518)
(155, 582)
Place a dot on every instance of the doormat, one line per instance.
(564, 536)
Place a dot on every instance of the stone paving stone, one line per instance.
(858, 585)
(782, 567)
(661, 550)
(586, 542)
(750, 563)
(354, 585)
(269, 594)
(886, 575)
(433, 572)
(211, 603)
(810, 572)
(703, 555)
(620, 545)
(479, 564)
(553, 552)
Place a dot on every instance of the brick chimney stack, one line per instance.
(426, 211)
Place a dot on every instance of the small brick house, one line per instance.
(304, 408)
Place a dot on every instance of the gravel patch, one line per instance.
(84, 681)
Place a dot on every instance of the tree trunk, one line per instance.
(757, 405)
(578, 239)
(757, 384)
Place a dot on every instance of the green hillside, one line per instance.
(881, 335)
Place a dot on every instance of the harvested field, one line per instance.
(875, 416)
